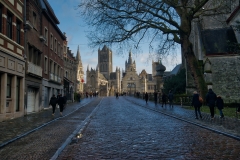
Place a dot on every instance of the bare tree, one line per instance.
(128, 22)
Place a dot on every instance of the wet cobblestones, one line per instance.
(122, 130)
(43, 143)
(126, 131)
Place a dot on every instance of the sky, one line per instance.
(76, 30)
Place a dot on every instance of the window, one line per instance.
(51, 43)
(58, 49)
(9, 85)
(9, 25)
(55, 45)
(18, 40)
(66, 75)
(34, 21)
(30, 53)
(46, 35)
(0, 19)
(50, 67)
(35, 57)
(45, 65)
(61, 52)
(59, 71)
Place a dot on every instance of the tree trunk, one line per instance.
(192, 65)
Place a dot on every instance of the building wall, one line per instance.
(220, 71)
(53, 67)
(225, 80)
(34, 56)
(12, 63)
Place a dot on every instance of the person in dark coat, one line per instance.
(164, 99)
(170, 98)
(197, 104)
(53, 102)
(155, 97)
(210, 100)
(220, 105)
(61, 103)
(146, 97)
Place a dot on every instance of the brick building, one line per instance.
(53, 63)
(12, 63)
(34, 43)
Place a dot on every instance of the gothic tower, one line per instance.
(80, 73)
(105, 61)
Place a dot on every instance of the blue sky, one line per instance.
(75, 29)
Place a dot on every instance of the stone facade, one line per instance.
(210, 36)
(80, 73)
(102, 80)
(144, 82)
(70, 75)
(12, 62)
(107, 83)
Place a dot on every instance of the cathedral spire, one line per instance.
(78, 57)
(130, 57)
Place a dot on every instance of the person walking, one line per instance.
(164, 99)
(155, 97)
(57, 99)
(197, 104)
(170, 98)
(53, 102)
(220, 105)
(61, 103)
(210, 100)
(146, 97)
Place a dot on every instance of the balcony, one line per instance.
(34, 69)
(54, 78)
(59, 80)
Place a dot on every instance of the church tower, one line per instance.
(105, 61)
(80, 73)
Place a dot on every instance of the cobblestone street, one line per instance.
(124, 128)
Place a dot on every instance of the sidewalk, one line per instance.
(16, 127)
(227, 125)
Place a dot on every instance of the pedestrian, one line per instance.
(164, 99)
(196, 104)
(116, 95)
(80, 97)
(155, 97)
(58, 98)
(210, 100)
(170, 98)
(220, 105)
(53, 102)
(146, 97)
(61, 103)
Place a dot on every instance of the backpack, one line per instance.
(200, 99)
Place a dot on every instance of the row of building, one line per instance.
(35, 60)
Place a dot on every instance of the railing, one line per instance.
(54, 78)
(186, 100)
(34, 69)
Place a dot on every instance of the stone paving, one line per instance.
(123, 130)
(18, 126)
(43, 143)
(129, 130)
(227, 125)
